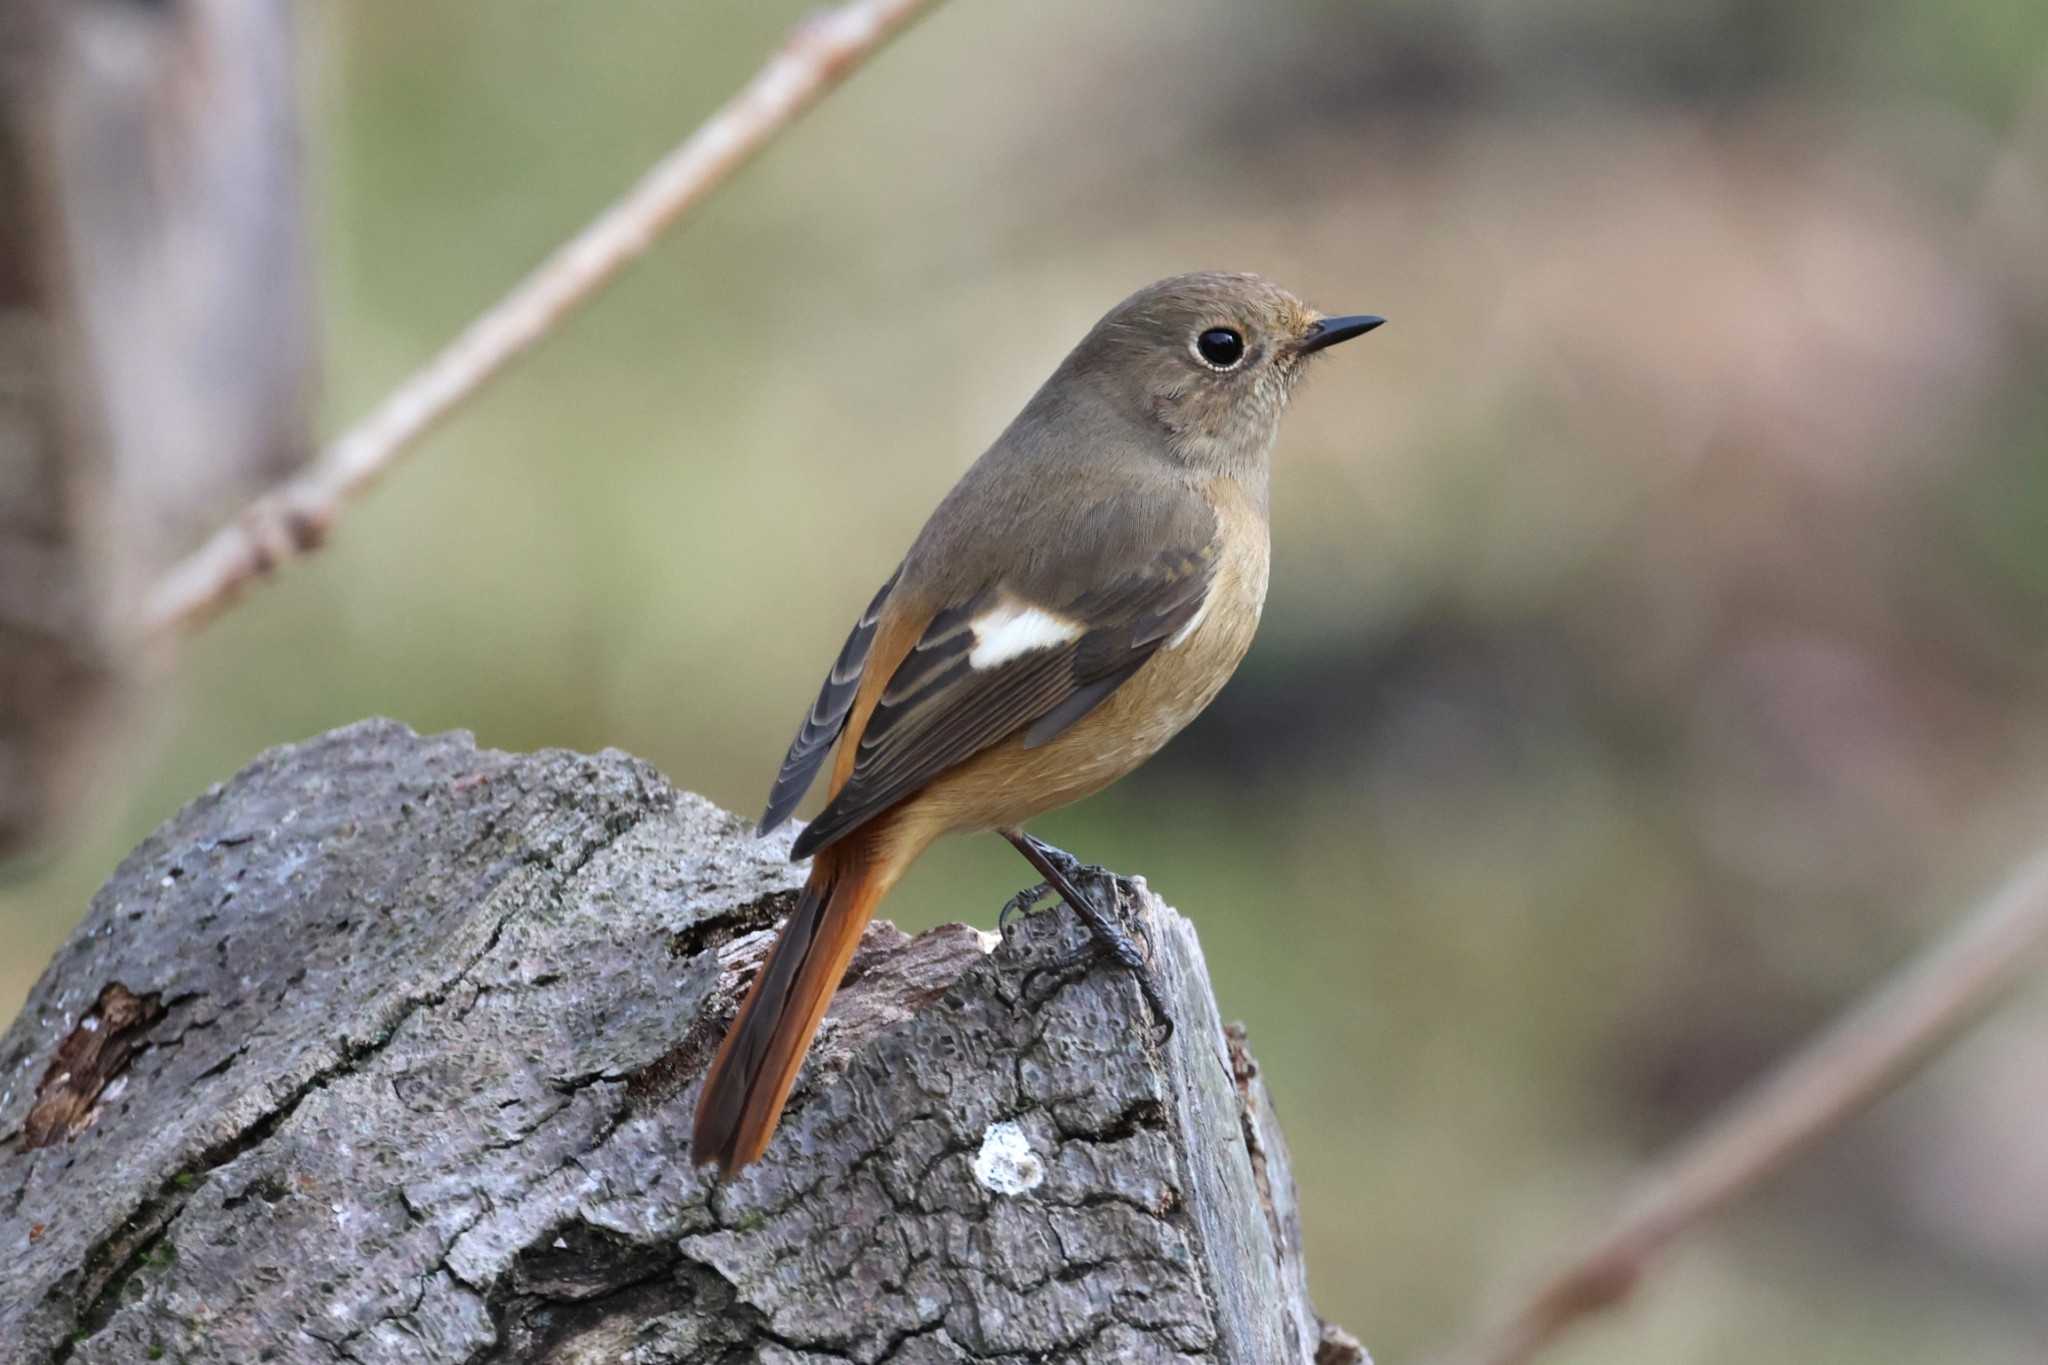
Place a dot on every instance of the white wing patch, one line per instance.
(1015, 628)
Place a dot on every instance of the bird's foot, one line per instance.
(1021, 904)
(1102, 899)
(1045, 982)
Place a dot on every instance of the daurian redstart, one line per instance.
(1080, 595)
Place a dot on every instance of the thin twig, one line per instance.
(295, 517)
(1856, 1061)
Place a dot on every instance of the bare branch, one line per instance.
(295, 517)
(1862, 1056)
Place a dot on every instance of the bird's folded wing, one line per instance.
(826, 718)
(1000, 662)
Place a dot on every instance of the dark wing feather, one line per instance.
(821, 727)
(938, 710)
(1134, 620)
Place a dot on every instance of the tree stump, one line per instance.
(387, 1049)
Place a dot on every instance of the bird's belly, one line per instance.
(1008, 784)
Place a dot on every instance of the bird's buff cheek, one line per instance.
(1015, 628)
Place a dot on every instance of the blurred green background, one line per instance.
(1656, 650)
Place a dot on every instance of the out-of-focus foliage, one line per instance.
(1656, 646)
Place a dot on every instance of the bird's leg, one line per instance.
(1076, 871)
(1062, 871)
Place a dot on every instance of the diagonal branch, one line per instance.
(1834, 1078)
(292, 519)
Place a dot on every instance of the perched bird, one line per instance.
(1078, 597)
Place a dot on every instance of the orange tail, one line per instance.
(750, 1078)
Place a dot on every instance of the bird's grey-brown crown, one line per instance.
(1247, 321)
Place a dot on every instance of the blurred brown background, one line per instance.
(1656, 649)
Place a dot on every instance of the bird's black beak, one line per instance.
(1330, 331)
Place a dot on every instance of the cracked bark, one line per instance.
(425, 1030)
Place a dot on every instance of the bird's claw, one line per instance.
(1020, 904)
(1076, 965)
(1108, 935)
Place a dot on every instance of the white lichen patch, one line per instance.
(1006, 1164)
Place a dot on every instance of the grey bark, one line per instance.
(386, 1050)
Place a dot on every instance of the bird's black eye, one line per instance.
(1220, 347)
